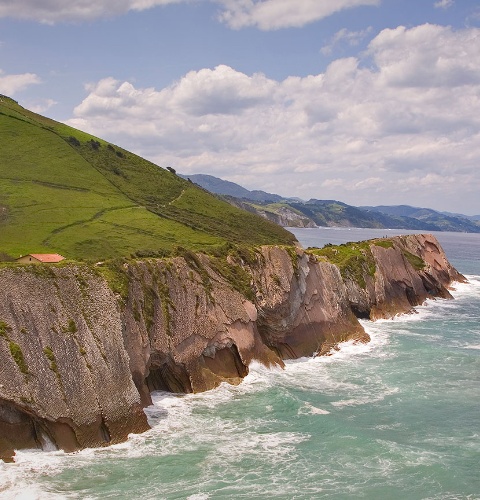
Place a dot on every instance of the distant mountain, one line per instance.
(443, 221)
(292, 212)
(227, 188)
(469, 217)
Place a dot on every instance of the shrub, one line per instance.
(17, 356)
(4, 329)
(73, 141)
(51, 357)
(71, 327)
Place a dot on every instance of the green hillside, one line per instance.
(64, 191)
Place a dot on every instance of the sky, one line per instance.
(370, 102)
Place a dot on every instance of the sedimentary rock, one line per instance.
(408, 271)
(78, 361)
(64, 375)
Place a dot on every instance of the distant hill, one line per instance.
(65, 191)
(442, 221)
(469, 217)
(291, 212)
(227, 188)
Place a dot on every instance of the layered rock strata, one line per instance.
(78, 361)
(408, 270)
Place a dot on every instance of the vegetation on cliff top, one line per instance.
(65, 191)
(354, 260)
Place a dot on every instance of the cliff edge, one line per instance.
(82, 347)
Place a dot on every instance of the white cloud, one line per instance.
(41, 106)
(443, 4)
(427, 56)
(264, 14)
(410, 122)
(11, 84)
(52, 11)
(275, 14)
(352, 38)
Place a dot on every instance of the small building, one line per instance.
(40, 258)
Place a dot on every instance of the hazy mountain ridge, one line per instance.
(228, 188)
(332, 213)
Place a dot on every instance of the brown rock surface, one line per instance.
(77, 362)
(414, 269)
(303, 305)
(64, 375)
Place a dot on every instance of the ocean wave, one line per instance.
(371, 398)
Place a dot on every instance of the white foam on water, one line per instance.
(436, 307)
(475, 347)
(468, 289)
(411, 455)
(19, 480)
(272, 447)
(369, 399)
(309, 409)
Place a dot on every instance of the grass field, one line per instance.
(64, 191)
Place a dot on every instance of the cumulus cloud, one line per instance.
(427, 56)
(11, 84)
(52, 11)
(275, 14)
(407, 123)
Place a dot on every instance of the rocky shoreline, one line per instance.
(80, 357)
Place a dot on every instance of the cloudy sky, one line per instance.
(365, 101)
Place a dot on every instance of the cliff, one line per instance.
(390, 276)
(78, 360)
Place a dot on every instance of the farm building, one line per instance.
(40, 258)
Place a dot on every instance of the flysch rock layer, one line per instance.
(64, 374)
(398, 286)
(78, 363)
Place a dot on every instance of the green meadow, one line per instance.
(65, 191)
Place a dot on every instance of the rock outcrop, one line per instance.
(408, 270)
(78, 361)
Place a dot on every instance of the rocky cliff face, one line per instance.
(281, 215)
(78, 362)
(408, 271)
(64, 375)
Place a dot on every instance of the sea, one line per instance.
(397, 418)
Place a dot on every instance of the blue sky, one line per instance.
(365, 101)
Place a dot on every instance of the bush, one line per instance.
(17, 356)
(4, 329)
(4, 257)
(73, 141)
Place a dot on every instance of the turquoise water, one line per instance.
(396, 418)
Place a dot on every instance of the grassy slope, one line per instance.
(87, 199)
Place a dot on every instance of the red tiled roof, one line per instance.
(47, 257)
